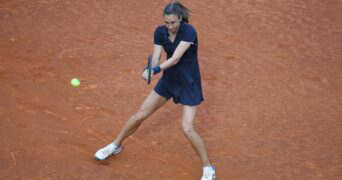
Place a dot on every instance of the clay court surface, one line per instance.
(272, 80)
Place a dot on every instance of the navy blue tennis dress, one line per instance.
(181, 81)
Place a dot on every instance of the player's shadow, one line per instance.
(101, 162)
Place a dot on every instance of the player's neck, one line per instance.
(173, 33)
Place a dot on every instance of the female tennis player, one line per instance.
(180, 81)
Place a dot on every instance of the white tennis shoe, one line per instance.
(208, 173)
(107, 151)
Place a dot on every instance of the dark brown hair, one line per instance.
(177, 9)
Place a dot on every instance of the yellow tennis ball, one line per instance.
(75, 82)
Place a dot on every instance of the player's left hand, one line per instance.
(145, 74)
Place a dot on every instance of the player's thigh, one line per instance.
(152, 102)
(189, 113)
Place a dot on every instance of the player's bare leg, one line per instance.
(152, 102)
(189, 113)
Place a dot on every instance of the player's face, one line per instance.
(172, 22)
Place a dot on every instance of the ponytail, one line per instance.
(177, 9)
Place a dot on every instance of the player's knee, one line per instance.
(140, 116)
(188, 129)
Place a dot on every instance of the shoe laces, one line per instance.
(108, 149)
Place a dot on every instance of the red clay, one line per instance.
(272, 80)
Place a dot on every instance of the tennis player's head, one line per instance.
(174, 14)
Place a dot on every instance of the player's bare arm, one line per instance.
(180, 50)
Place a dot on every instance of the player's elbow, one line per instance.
(175, 60)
